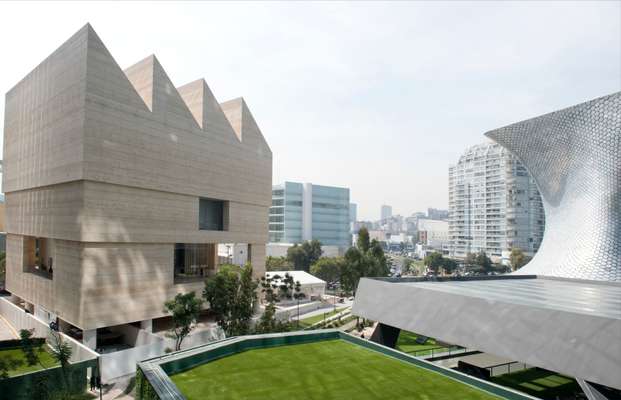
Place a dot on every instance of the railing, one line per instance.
(506, 368)
(437, 351)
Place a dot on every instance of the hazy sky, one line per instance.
(378, 97)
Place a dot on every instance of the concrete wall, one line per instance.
(110, 165)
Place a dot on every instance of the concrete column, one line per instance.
(147, 325)
(89, 338)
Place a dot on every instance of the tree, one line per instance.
(518, 259)
(245, 298)
(313, 252)
(30, 348)
(363, 241)
(268, 323)
(358, 264)
(434, 261)
(449, 266)
(301, 257)
(231, 296)
(61, 352)
(184, 309)
(484, 261)
(298, 295)
(268, 288)
(471, 260)
(219, 292)
(277, 264)
(327, 268)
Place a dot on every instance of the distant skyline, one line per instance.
(377, 97)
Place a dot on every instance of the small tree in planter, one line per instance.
(184, 309)
(298, 295)
(61, 352)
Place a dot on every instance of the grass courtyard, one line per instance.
(307, 322)
(539, 383)
(326, 370)
(407, 344)
(18, 354)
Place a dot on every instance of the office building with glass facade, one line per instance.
(303, 212)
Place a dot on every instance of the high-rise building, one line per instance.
(302, 212)
(119, 188)
(386, 212)
(437, 214)
(494, 205)
(353, 212)
(353, 216)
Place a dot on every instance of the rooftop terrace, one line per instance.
(312, 365)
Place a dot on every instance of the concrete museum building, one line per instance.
(119, 187)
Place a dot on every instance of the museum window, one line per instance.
(212, 215)
(38, 256)
(194, 261)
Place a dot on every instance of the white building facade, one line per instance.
(494, 205)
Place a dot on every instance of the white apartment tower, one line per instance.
(494, 205)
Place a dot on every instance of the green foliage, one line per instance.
(304, 255)
(471, 260)
(484, 261)
(268, 323)
(184, 309)
(231, 296)
(30, 348)
(435, 261)
(328, 268)
(277, 264)
(413, 267)
(449, 266)
(271, 288)
(144, 390)
(358, 264)
(7, 364)
(518, 259)
(61, 352)
(244, 300)
(363, 242)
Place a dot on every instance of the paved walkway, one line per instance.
(7, 332)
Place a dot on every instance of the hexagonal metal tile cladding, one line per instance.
(574, 155)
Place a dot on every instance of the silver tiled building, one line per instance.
(574, 155)
(494, 205)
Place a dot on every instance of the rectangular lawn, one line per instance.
(326, 370)
(18, 354)
(540, 383)
(407, 344)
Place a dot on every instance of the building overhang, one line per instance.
(569, 326)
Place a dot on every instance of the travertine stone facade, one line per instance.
(109, 166)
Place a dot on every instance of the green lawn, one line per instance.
(306, 322)
(407, 344)
(539, 383)
(44, 356)
(327, 370)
